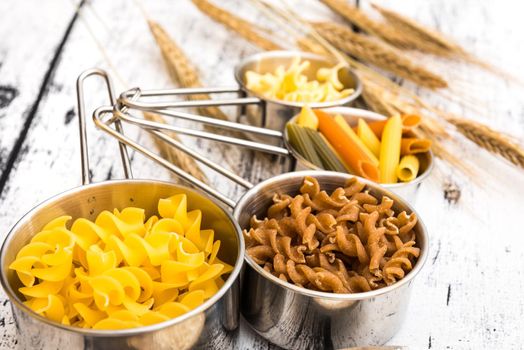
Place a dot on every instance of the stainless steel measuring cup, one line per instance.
(211, 325)
(285, 314)
(255, 109)
(407, 190)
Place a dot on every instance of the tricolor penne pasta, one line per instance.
(384, 151)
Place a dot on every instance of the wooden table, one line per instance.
(468, 296)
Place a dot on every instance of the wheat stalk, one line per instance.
(185, 73)
(174, 155)
(427, 40)
(430, 41)
(377, 53)
(235, 23)
(489, 139)
(367, 24)
(181, 69)
(374, 98)
(185, 162)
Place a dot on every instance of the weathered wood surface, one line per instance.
(469, 294)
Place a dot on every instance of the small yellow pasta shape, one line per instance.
(390, 150)
(291, 84)
(407, 169)
(121, 271)
(368, 137)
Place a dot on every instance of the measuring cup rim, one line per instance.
(421, 177)
(424, 245)
(16, 301)
(288, 53)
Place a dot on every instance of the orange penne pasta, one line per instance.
(348, 146)
(409, 121)
(413, 145)
(341, 122)
(390, 150)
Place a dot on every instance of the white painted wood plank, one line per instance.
(24, 61)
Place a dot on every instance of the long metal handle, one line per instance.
(84, 154)
(129, 98)
(177, 144)
(98, 119)
(123, 106)
(147, 124)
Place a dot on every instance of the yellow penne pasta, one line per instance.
(390, 149)
(341, 122)
(413, 145)
(407, 169)
(368, 137)
(307, 118)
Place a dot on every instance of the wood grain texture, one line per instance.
(468, 294)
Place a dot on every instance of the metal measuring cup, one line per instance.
(284, 314)
(255, 109)
(210, 325)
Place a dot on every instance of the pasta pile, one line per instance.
(121, 271)
(292, 85)
(344, 242)
(382, 151)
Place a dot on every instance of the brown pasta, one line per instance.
(346, 241)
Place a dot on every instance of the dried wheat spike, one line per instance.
(375, 100)
(490, 139)
(181, 69)
(308, 44)
(430, 41)
(427, 40)
(237, 24)
(377, 53)
(367, 24)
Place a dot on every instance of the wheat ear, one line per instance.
(489, 139)
(181, 69)
(427, 40)
(235, 23)
(367, 24)
(377, 53)
(433, 42)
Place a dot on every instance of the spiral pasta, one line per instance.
(346, 241)
(121, 271)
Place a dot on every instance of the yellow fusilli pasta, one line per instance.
(121, 271)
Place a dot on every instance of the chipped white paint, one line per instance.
(469, 294)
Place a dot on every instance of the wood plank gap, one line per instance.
(13, 155)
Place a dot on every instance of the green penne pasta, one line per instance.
(298, 138)
(328, 158)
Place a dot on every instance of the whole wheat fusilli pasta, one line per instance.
(346, 241)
